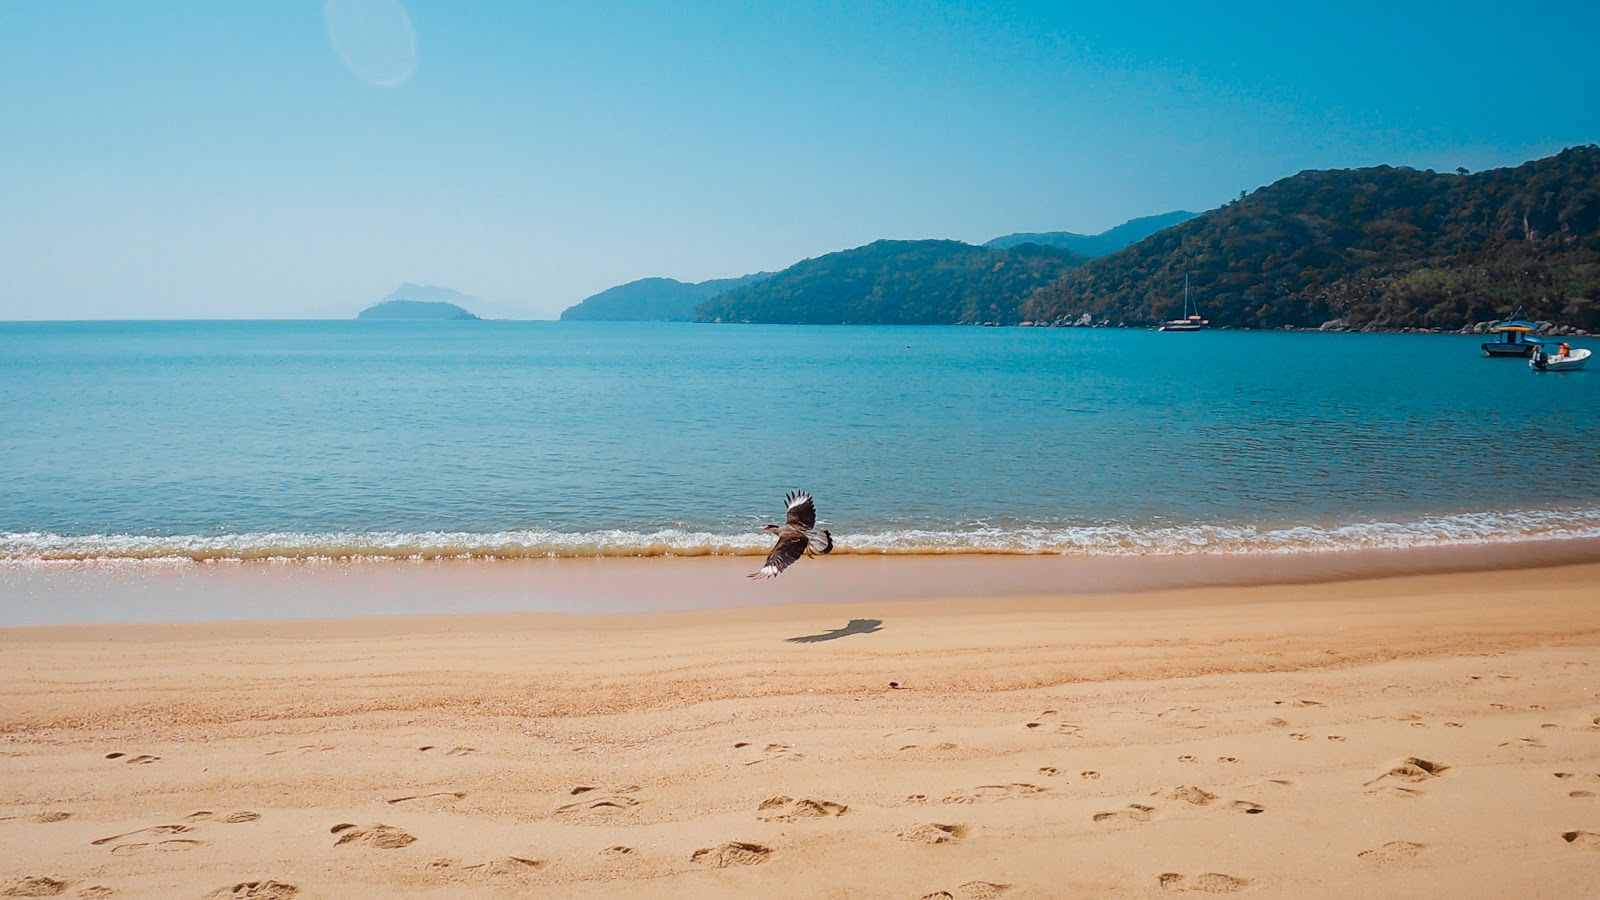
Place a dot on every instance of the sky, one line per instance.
(303, 158)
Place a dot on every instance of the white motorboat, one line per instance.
(1545, 361)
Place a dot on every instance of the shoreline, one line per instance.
(88, 594)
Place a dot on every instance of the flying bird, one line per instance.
(795, 538)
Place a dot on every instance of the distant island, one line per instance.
(653, 300)
(421, 302)
(435, 310)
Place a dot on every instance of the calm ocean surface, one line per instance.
(223, 440)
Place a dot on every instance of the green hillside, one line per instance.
(1382, 247)
(897, 282)
(651, 300)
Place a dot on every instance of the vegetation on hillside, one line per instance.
(1383, 247)
(896, 282)
(652, 300)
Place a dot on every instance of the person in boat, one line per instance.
(1540, 359)
(1566, 350)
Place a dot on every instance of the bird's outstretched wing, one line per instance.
(790, 547)
(802, 511)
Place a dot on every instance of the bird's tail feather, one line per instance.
(821, 542)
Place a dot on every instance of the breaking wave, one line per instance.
(1105, 539)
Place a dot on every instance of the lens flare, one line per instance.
(374, 38)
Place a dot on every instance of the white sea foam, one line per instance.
(1105, 539)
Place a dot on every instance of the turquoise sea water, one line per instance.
(221, 440)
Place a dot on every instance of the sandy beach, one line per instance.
(1399, 736)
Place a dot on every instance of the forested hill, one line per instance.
(1109, 241)
(652, 300)
(1382, 247)
(898, 283)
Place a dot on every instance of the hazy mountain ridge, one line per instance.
(653, 299)
(1092, 245)
(897, 282)
(1379, 247)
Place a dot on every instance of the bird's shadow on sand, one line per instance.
(856, 626)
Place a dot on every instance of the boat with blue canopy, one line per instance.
(1514, 337)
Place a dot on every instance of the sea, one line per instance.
(202, 443)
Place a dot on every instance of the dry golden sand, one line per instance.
(1434, 736)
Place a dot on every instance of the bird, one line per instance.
(795, 537)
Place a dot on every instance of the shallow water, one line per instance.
(202, 440)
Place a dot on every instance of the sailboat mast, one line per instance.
(1186, 312)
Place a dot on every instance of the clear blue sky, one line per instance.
(295, 159)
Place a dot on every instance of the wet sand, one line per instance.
(1422, 736)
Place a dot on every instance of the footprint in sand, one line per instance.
(1090, 774)
(1336, 737)
(35, 886)
(1049, 771)
(788, 809)
(972, 890)
(1300, 703)
(153, 829)
(95, 892)
(1209, 883)
(255, 890)
(1182, 717)
(1276, 722)
(58, 815)
(1584, 840)
(932, 833)
(617, 850)
(199, 815)
(779, 753)
(985, 793)
(1300, 736)
(1136, 812)
(1227, 759)
(504, 867)
(381, 837)
(461, 751)
(732, 853)
(240, 817)
(1411, 770)
(174, 845)
(1186, 758)
(305, 748)
(1578, 776)
(597, 802)
(1050, 722)
(1188, 794)
(1524, 743)
(1394, 851)
(1247, 807)
(436, 796)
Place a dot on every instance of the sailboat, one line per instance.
(1191, 320)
